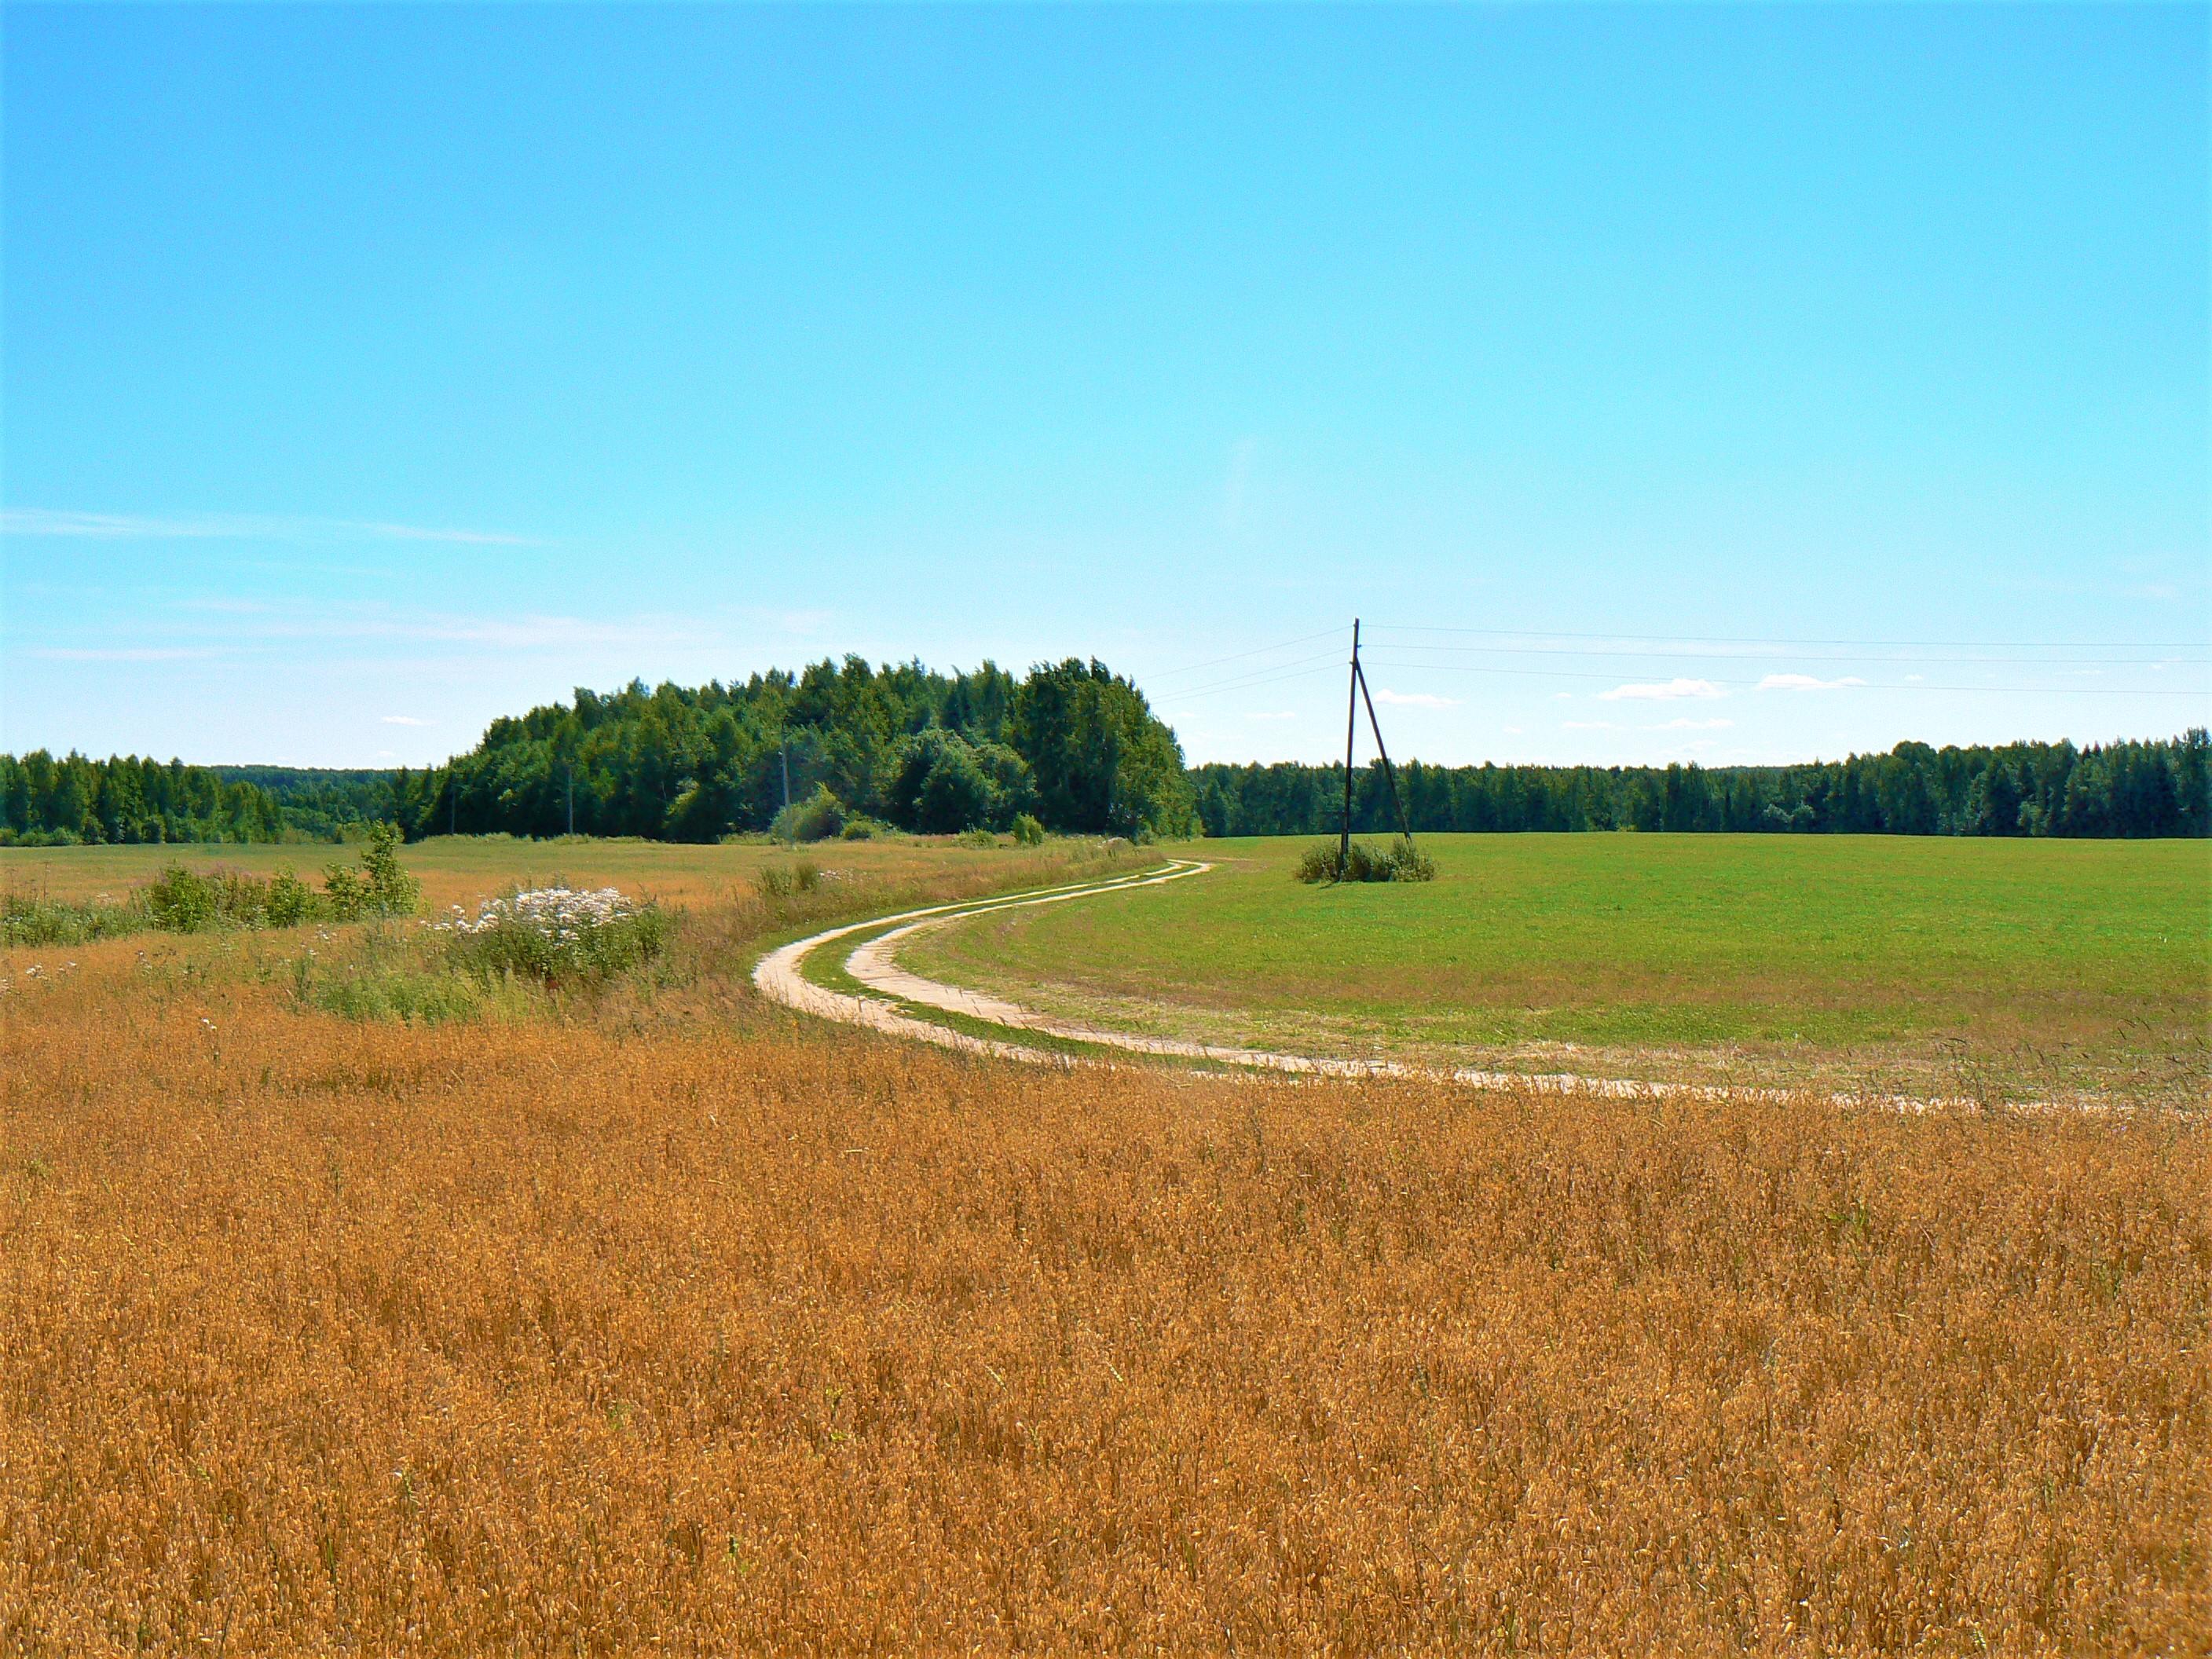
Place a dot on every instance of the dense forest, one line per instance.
(319, 802)
(2119, 789)
(49, 802)
(1074, 745)
(1071, 744)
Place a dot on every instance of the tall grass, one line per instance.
(35, 919)
(1330, 862)
(756, 1337)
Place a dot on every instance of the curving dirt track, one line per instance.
(874, 964)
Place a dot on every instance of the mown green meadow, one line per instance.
(1995, 968)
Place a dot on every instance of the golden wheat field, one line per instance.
(663, 1320)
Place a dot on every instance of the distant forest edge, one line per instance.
(2119, 789)
(1072, 745)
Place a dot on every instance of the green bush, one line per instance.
(820, 816)
(1325, 862)
(858, 830)
(1028, 831)
(380, 887)
(978, 838)
(558, 935)
(182, 900)
(290, 901)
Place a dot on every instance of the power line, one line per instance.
(1775, 655)
(1177, 697)
(1238, 656)
(1258, 675)
(2030, 690)
(1751, 639)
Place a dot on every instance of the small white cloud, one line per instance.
(1514, 732)
(1563, 697)
(1415, 698)
(1590, 726)
(1914, 680)
(1806, 682)
(407, 719)
(1688, 725)
(1661, 690)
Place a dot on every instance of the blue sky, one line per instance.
(1730, 383)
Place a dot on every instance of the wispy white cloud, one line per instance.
(250, 526)
(1415, 698)
(407, 719)
(200, 630)
(1661, 690)
(1688, 725)
(1807, 683)
(123, 652)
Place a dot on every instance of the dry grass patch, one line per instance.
(669, 1322)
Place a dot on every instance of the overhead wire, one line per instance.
(1238, 656)
(1583, 674)
(1777, 655)
(1753, 639)
(1173, 697)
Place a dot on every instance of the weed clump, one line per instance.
(558, 935)
(1029, 830)
(380, 992)
(181, 901)
(1327, 863)
(778, 881)
(25, 919)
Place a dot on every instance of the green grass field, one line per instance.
(1995, 968)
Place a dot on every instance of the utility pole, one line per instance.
(1351, 726)
(1358, 695)
(1389, 776)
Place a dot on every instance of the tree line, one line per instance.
(1071, 744)
(2116, 789)
(49, 802)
